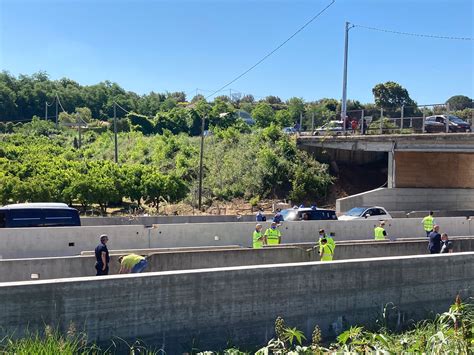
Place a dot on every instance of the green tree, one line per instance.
(8, 106)
(459, 102)
(391, 96)
(283, 118)
(154, 187)
(263, 114)
(295, 108)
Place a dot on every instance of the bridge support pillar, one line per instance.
(391, 170)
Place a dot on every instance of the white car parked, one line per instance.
(374, 212)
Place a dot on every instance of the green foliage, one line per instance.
(37, 127)
(391, 95)
(283, 118)
(295, 108)
(158, 160)
(467, 114)
(263, 114)
(459, 102)
(449, 333)
(141, 123)
(388, 127)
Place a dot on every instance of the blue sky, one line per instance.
(176, 45)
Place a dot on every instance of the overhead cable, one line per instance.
(414, 34)
(59, 102)
(273, 51)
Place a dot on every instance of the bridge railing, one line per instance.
(373, 120)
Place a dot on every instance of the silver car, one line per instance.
(331, 128)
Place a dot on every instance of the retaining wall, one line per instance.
(150, 220)
(410, 199)
(209, 307)
(167, 260)
(63, 241)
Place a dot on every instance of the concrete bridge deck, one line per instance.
(437, 142)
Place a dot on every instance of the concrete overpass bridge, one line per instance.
(417, 163)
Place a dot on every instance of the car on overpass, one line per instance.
(289, 130)
(308, 214)
(331, 128)
(437, 123)
(373, 212)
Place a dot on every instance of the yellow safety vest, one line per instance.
(428, 223)
(330, 240)
(378, 231)
(273, 236)
(328, 252)
(257, 240)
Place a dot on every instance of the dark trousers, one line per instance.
(99, 270)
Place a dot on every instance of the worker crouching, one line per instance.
(132, 263)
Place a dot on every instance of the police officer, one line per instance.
(428, 223)
(258, 239)
(326, 251)
(273, 235)
(379, 232)
(102, 256)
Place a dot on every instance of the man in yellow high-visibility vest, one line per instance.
(132, 263)
(326, 250)
(379, 232)
(258, 239)
(428, 223)
(330, 240)
(273, 235)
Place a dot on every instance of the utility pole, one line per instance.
(46, 110)
(115, 134)
(344, 79)
(79, 129)
(200, 163)
(301, 122)
(57, 118)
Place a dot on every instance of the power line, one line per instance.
(273, 51)
(52, 103)
(122, 108)
(60, 105)
(414, 34)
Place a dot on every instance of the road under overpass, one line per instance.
(415, 161)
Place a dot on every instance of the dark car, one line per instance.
(437, 123)
(38, 215)
(308, 214)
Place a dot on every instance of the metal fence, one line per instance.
(399, 120)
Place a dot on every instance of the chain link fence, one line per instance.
(433, 118)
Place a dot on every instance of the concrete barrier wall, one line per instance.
(239, 304)
(150, 220)
(165, 260)
(63, 241)
(407, 199)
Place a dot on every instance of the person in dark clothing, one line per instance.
(446, 244)
(102, 256)
(278, 218)
(435, 241)
(260, 217)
